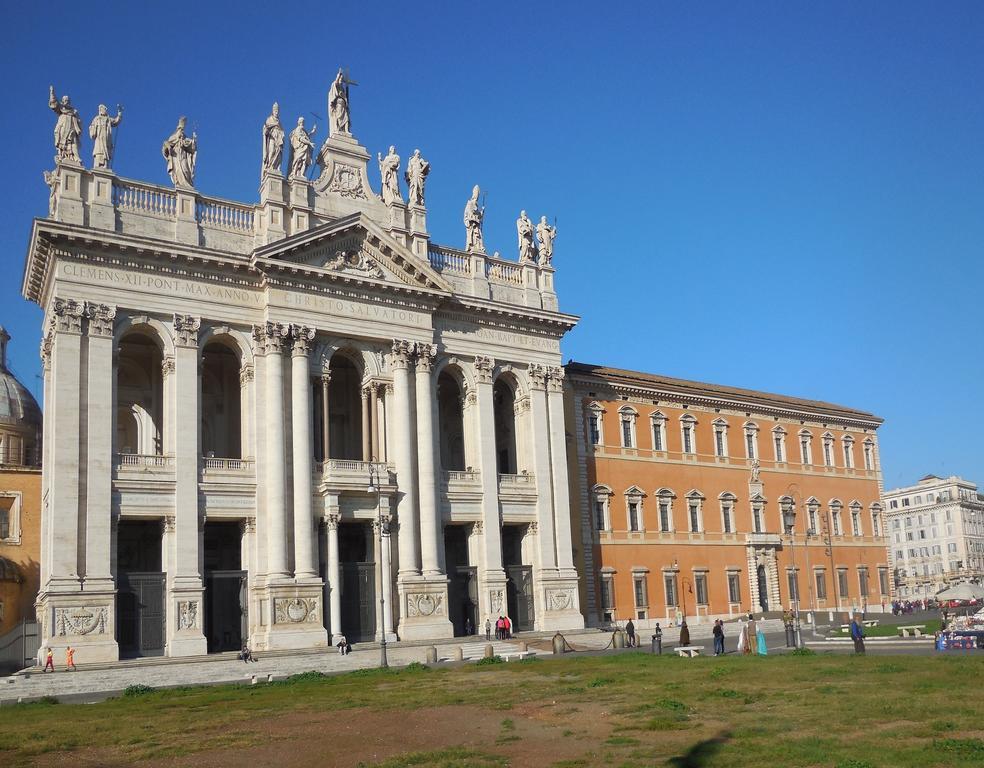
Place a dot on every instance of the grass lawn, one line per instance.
(624, 710)
(892, 630)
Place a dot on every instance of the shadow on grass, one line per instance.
(700, 754)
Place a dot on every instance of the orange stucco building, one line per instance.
(679, 488)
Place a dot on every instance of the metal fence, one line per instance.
(19, 647)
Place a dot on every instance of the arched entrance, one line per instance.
(504, 405)
(450, 418)
(221, 406)
(344, 409)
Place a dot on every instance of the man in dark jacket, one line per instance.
(630, 631)
(857, 634)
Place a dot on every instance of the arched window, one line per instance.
(504, 406)
(450, 419)
(344, 408)
(140, 394)
(220, 401)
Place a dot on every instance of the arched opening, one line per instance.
(139, 396)
(344, 409)
(504, 405)
(450, 417)
(221, 408)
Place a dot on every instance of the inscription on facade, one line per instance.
(471, 332)
(344, 308)
(174, 286)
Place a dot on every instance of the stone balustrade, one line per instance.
(142, 461)
(352, 472)
(210, 463)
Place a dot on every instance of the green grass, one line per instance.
(630, 710)
(891, 630)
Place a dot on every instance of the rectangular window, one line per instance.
(641, 593)
(607, 594)
(792, 581)
(757, 519)
(633, 516)
(688, 443)
(848, 460)
(664, 516)
(883, 581)
(600, 515)
(842, 583)
(719, 442)
(863, 580)
(750, 444)
(734, 587)
(626, 434)
(813, 521)
(828, 458)
(700, 587)
(658, 436)
(821, 580)
(868, 459)
(4, 523)
(779, 452)
(670, 584)
(694, 518)
(595, 428)
(805, 450)
(836, 518)
(856, 523)
(726, 517)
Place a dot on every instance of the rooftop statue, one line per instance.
(101, 133)
(389, 169)
(181, 154)
(68, 128)
(474, 214)
(545, 234)
(524, 229)
(301, 149)
(416, 176)
(273, 142)
(338, 105)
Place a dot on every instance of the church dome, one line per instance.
(20, 416)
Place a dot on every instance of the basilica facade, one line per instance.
(286, 421)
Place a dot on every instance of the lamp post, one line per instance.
(374, 488)
(789, 523)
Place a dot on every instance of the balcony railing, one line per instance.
(351, 471)
(127, 461)
(445, 259)
(211, 463)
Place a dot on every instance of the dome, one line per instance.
(20, 416)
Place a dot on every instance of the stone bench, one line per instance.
(518, 655)
(865, 623)
(688, 650)
(913, 630)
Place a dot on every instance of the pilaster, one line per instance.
(300, 204)
(186, 224)
(540, 435)
(69, 208)
(419, 238)
(273, 207)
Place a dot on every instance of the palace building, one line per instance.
(284, 421)
(680, 489)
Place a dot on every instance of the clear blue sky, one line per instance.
(785, 196)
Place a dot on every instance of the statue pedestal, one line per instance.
(530, 287)
(424, 608)
(273, 207)
(398, 222)
(186, 226)
(69, 208)
(547, 293)
(418, 231)
(102, 215)
(300, 204)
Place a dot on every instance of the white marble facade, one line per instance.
(192, 347)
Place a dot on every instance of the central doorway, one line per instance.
(358, 593)
(462, 581)
(140, 588)
(519, 578)
(763, 589)
(225, 588)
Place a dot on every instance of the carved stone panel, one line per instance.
(80, 620)
(296, 610)
(424, 604)
(560, 599)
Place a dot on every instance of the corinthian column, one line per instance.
(271, 337)
(304, 558)
(429, 523)
(558, 460)
(541, 467)
(494, 578)
(334, 572)
(403, 453)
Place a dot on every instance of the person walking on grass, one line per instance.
(857, 635)
(70, 659)
(49, 660)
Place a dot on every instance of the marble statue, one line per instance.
(273, 141)
(101, 133)
(474, 214)
(338, 105)
(524, 229)
(417, 170)
(301, 149)
(545, 234)
(181, 154)
(51, 179)
(756, 470)
(68, 128)
(389, 169)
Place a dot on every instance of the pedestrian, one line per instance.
(468, 626)
(498, 628)
(507, 627)
(718, 638)
(70, 659)
(488, 629)
(344, 646)
(247, 655)
(857, 635)
(630, 631)
(763, 649)
(49, 660)
(742, 637)
(684, 633)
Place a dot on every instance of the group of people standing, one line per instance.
(503, 628)
(751, 638)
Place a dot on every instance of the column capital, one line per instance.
(186, 329)
(483, 369)
(167, 366)
(555, 378)
(101, 317)
(270, 338)
(538, 376)
(303, 335)
(425, 355)
(68, 315)
(325, 377)
(246, 374)
(331, 521)
(401, 354)
(47, 341)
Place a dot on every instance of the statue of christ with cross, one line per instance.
(338, 104)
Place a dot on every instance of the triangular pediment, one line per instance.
(353, 247)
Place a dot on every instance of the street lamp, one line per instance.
(374, 488)
(789, 523)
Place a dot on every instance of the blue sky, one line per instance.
(784, 196)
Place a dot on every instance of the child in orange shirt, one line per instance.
(70, 659)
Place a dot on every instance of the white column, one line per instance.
(276, 537)
(541, 468)
(558, 461)
(304, 557)
(99, 453)
(403, 453)
(334, 575)
(492, 533)
(429, 522)
(325, 381)
(61, 548)
(387, 585)
(375, 453)
(379, 417)
(47, 464)
(366, 454)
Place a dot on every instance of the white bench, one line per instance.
(688, 650)
(914, 630)
(518, 655)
